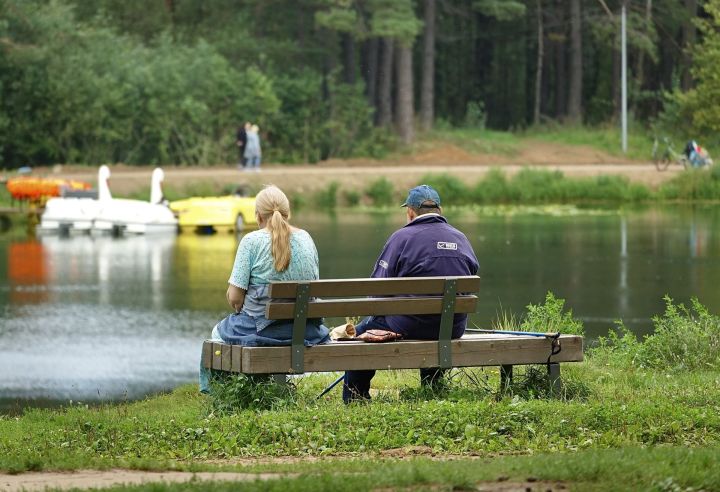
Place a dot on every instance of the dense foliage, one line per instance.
(169, 81)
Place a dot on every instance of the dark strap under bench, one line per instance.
(445, 296)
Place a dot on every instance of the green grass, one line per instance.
(604, 138)
(472, 140)
(5, 198)
(618, 408)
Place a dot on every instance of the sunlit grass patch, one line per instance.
(606, 138)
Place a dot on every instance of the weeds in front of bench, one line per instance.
(535, 383)
(231, 393)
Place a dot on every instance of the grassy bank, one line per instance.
(529, 186)
(605, 139)
(630, 395)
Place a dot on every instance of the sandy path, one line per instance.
(107, 478)
(84, 479)
(309, 178)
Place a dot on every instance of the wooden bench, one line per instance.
(444, 296)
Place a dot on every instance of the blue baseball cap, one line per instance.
(422, 195)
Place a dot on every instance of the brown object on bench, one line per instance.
(430, 295)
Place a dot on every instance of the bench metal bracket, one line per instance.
(446, 323)
(297, 354)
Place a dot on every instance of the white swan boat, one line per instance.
(69, 214)
(117, 215)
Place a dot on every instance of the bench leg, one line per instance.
(506, 374)
(432, 377)
(554, 374)
(279, 379)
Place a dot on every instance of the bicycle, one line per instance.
(663, 158)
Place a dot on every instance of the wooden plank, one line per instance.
(226, 357)
(217, 356)
(466, 352)
(370, 306)
(207, 354)
(374, 287)
(236, 363)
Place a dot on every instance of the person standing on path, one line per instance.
(241, 141)
(426, 247)
(253, 152)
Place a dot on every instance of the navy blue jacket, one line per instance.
(426, 247)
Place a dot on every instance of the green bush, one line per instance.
(684, 338)
(534, 186)
(452, 190)
(693, 184)
(327, 197)
(494, 188)
(551, 317)
(381, 192)
(620, 348)
(231, 393)
(201, 188)
(352, 198)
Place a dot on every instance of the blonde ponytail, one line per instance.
(273, 207)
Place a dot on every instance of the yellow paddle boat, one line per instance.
(216, 213)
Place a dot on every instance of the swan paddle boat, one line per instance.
(118, 215)
(215, 213)
(72, 214)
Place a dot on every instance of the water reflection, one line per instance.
(27, 272)
(102, 322)
(202, 267)
(100, 317)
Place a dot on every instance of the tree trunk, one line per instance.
(349, 63)
(576, 70)
(384, 114)
(539, 68)
(427, 89)
(404, 111)
(370, 71)
(640, 62)
(616, 74)
(560, 63)
(689, 37)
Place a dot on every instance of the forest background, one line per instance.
(169, 81)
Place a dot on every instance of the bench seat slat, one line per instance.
(469, 351)
(368, 306)
(375, 287)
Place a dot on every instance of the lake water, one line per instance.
(100, 318)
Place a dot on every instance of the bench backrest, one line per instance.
(445, 296)
(368, 296)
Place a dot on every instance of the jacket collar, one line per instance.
(427, 219)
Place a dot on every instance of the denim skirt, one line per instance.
(241, 329)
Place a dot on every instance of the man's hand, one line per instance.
(235, 297)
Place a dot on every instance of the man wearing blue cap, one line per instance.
(427, 246)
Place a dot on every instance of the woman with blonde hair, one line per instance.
(277, 251)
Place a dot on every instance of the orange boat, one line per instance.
(38, 189)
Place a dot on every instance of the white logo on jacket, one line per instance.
(444, 245)
(383, 264)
